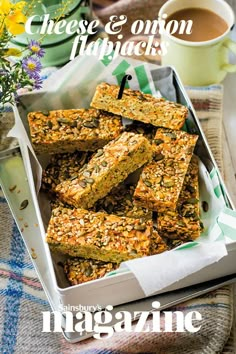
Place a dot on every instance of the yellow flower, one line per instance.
(12, 52)
(12, 17)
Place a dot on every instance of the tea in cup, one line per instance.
(200, 54)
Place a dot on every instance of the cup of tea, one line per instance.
(200, 50)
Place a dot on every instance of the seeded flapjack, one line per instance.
(162, 179)
(62, 167)
(108, 238)
(138, 106)
(184, 222)
(157, 244)
(120, 202)
(147, 130)
(80, 270)
(106, 169)
(61, 131)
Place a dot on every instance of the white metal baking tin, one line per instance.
(124, 288)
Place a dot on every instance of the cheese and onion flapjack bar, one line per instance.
(120, 202)
(106, 169)
(62, 167)
(147, 130)
(162, 179)
(108, 238)
(80, 270)
(184, 222)
(157, 244)
(138, 106)
(73, 129)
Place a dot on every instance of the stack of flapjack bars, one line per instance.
(117, 191)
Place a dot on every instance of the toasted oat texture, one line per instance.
(62, 167)
(184, 223)
(171, 244)
(157, 244)
(147, 130)
(139, 106)
(120, 202)
(80, 270)
(162, 179)
(56, 203)
(107, 168)
(108, 238)
(73, 129)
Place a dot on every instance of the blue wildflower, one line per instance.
(36, 49)
(37, 82)
(32, 66)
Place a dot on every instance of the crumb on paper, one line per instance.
(33, 255)
(11, 189)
